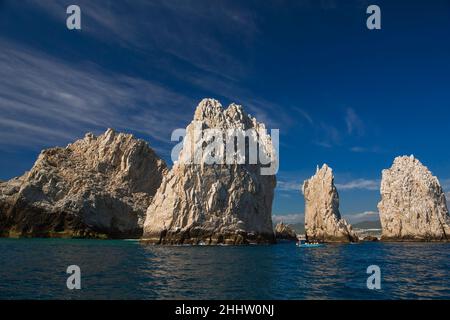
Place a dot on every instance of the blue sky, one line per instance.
(339, 93)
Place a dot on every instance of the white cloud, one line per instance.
(359, 184)
(362, 216)
(289, 218)
(358, 149)
(304, 114)
(289, 186)
(445, 183)
(354, 123)
(323, 144)
(45, 101)
(351, 218)
(180, 40)
(182, 29)
(327, 135)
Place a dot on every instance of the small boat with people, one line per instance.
(309, 244)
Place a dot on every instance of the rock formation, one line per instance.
(370, 239)
(200, 203)
(285, 232)
(413, 205)
(95, 187)
(323, 221)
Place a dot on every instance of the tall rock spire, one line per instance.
(323, 220)
(213, 203)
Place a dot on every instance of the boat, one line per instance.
(310, 245)
(304, 244)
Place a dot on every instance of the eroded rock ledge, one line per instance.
(97, 187)
(413, 205)
(323, 220)
(213, 203)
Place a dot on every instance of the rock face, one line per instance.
(323, 221)
(95, 187)
(285, 232)
(200, 203)
(413, 205)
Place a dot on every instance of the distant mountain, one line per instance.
(298, 227)
(367, 225)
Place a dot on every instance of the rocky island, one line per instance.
(323, 220)
(284, 231)
(97, 187)
(200, 203)
(115, 186)
(413, 205)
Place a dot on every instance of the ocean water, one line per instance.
(110, 269)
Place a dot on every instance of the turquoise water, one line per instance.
(35, 269)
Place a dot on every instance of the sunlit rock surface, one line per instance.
(323, 220)
(95, 187)
(200, 203)
(413, 205)
(284, 231)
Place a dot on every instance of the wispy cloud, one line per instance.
(45, 101)
(353, 122)
(289, 185)
(304, 114)
(362, 216)
(358, 149)
(445, 183)
(328, 135)
(359, 184)
(182, 29)
(356, 184)
(447, 197)
(191, 42)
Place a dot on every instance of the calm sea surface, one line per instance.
(36, 269)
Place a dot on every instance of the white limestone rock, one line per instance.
(200, 203)
(284, 231)
(95, 187)
(413, 205)
(323, 220)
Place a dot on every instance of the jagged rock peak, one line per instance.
(213, 203)
(96, 186)
(284, 231)
(413, 205)
(323, 220)
(211, 112)
(211, 120)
